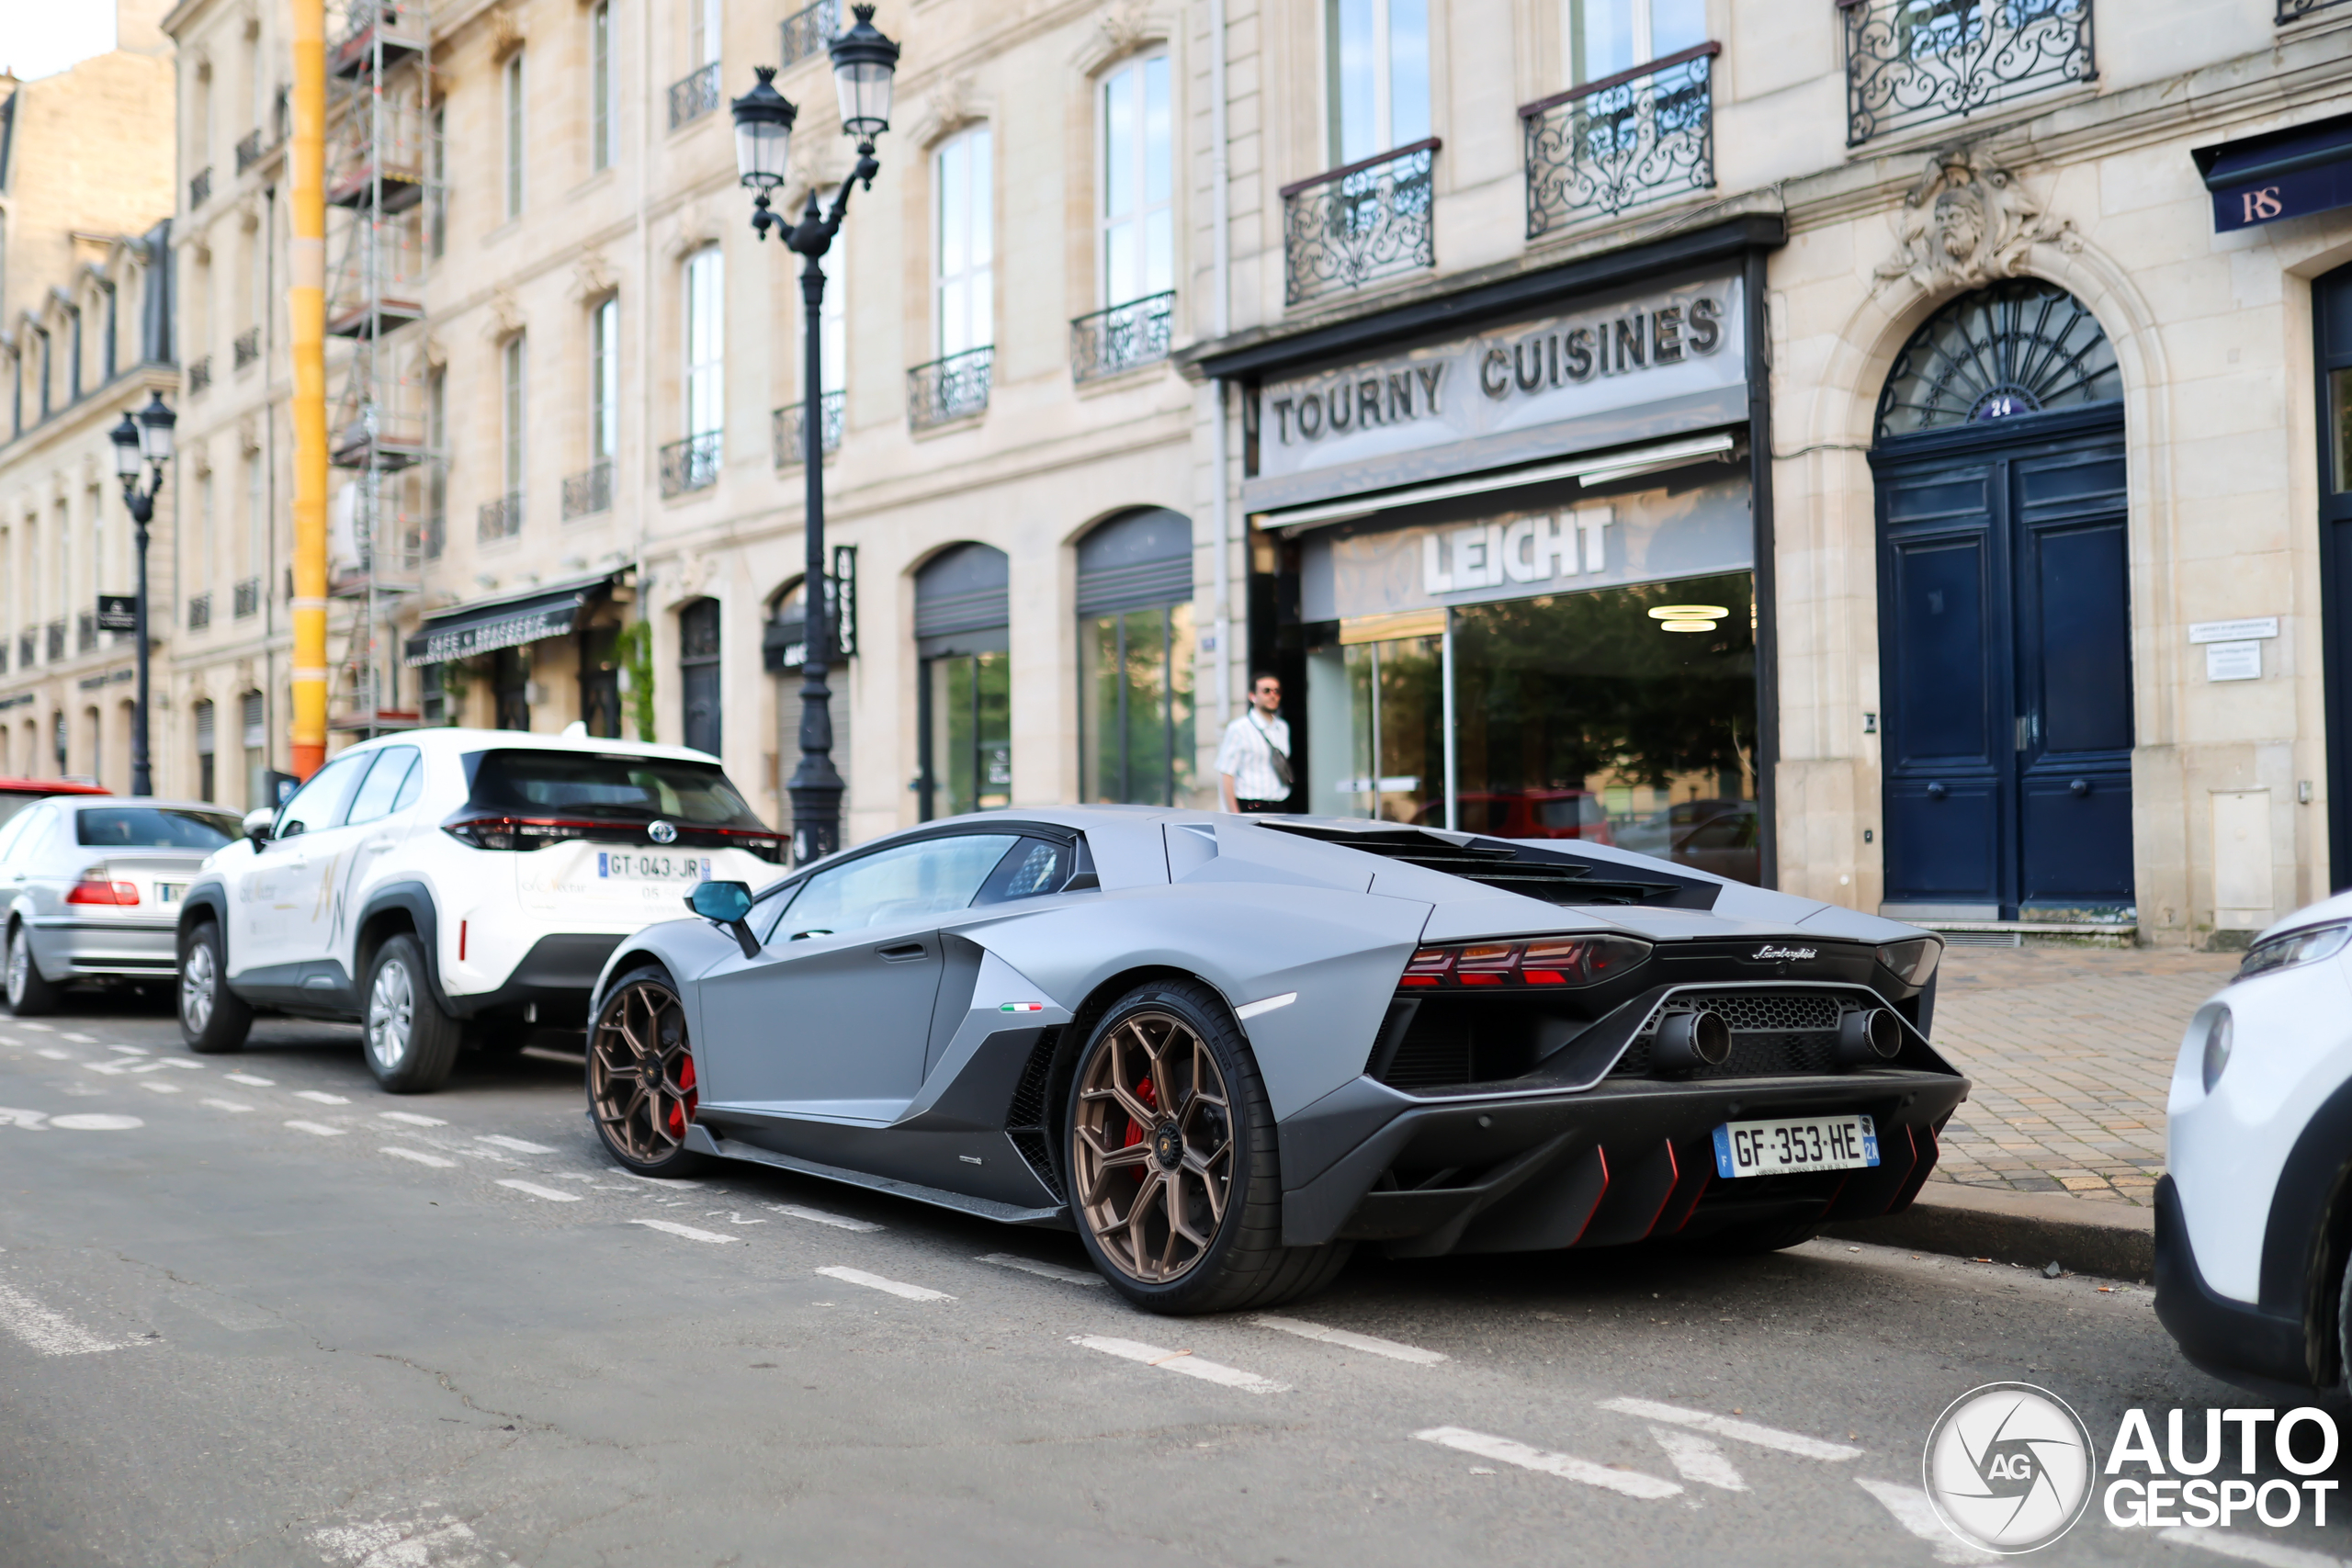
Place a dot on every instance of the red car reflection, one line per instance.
(1525, 814)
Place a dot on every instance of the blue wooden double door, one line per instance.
(2006, 673)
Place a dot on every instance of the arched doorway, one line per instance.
(963, 637)
(2003, 614)
(1136, 650)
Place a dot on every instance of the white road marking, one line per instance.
(54, 1054)
(159, 1087)
(2248, 1548)
(1739, 1431)
(219, 1104)
(1350, 1339)
(656, 1180)
(1043, 1270)
(79, 1038)
(110, 1068)
(321, 1097)
(444, 1542)
(1915, 1513)
(412, 1119)
(42, 1028)
(500, 1141)
(687, 1231)
(819, 1216)
(876, 1283)
(1631, 1483)
(1251, 1010)
(1695, 1459)
(180, 1062)
(536, 1191)
(249, 1080)
(44, 1330)
(419, 1156)
(735, 1217)
(130, 1050)
(96, 1122)
(28, 1120)
(320, 1128)
(1182, 1361)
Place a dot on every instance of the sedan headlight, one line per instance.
(2296, 947)
(2217, 1046)
(1913, 962)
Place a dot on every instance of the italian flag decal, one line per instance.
(1022, 1007)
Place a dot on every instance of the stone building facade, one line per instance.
(85, 336)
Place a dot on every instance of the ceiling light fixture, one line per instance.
(1689, 613)
(1686, 626)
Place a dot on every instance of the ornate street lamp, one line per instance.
(145, 441)
(863, 65)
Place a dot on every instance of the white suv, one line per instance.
(454, 886)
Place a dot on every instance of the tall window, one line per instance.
(512, 79)
(436, 219)
(209, 533)
(107, 361)
(1609, 36)
(257, 519)
(73, 364)
(1139, 183)
(252, 724)
(513, 413)
(698, 674)
(1136, 652)
(706, 344)
(605, 380)
(703, 20)
(40, 336)
(206, 741)
(600, 85)
(965, 276)
(1380, 76)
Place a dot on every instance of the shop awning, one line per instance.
(2281, 173)
(1599, 468)
(463, 631)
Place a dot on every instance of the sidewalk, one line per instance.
(2070, 1053)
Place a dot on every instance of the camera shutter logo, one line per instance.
(2009, 1467)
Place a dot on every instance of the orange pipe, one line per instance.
(307, 308)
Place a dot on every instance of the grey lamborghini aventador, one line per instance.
(1226, 1049)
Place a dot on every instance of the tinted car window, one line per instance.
(385, 780)
(319, 803)
(1031, 867)
(610, 788)
(154, 827)
(933, 877)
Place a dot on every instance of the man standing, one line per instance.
(1253, 761)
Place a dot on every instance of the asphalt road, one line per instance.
(284, 1318)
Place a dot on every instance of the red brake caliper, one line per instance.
(1150, 1097)
(682, 1108)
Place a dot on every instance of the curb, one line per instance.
(2116, 1241)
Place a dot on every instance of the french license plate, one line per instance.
(619, 866)
(1811, 1143)
(169, 892)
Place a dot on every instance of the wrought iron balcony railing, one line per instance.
(790, 438)
(24, 650)
(200, 189)
(694, 96)
(1913, 61)
(2296, 10)
(249, 150)
(951, 389)
(1640, 136)
(691, 464)
(500, 519)
(86, 631)
(247, 348)
(244, 599)
(200, 611)
(1359, 223)
(589, 491)
(1122, 337)
(808, 30)
(199, 374)
(55, 637)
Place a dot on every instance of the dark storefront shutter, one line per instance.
(1128, 563)
(962, 593)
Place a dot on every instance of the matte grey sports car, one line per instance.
(1224, 1049)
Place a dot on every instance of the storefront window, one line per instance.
(2339, 384)
(969, 724)
(1136, 668)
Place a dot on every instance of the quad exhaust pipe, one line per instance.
(1866, 1036)
(1688, 1040)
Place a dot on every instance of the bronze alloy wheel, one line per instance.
(1153, 1146)
(640, 1072)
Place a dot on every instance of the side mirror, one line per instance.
(727, 904)
(257, 824)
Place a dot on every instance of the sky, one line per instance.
(39, 37)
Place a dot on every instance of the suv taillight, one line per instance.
(1546, 961)
(98, 886)
(514, 833)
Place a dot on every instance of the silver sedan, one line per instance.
(90, 889)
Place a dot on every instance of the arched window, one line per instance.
(2019, 348)
(698, 687)
(206, 738)
(1136, 650)
(963, 637)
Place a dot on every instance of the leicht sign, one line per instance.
(1656, 349)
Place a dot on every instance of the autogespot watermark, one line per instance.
(2010, 1468)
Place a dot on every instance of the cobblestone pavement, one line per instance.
(2071, 1051)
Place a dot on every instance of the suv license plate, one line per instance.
(1812, 1143)
(622, 867)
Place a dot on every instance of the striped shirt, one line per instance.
(1247, 754)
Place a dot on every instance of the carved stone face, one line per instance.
(1959, 221)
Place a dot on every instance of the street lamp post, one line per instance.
(863, 65)
(144, 441)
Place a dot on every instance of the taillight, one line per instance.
(770, 850)
(97, 887)
(1546, 961)
(514, 833)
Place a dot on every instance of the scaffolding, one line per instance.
(385, 200)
